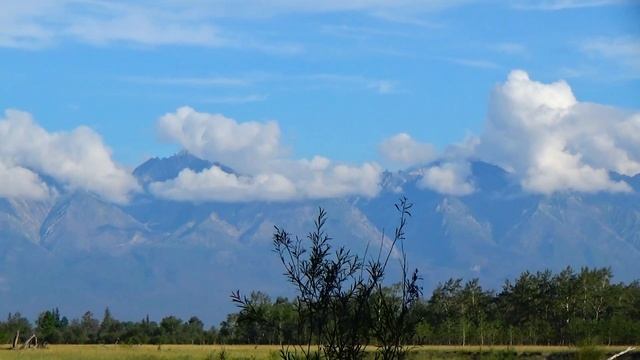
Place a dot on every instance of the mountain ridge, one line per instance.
(160, 256)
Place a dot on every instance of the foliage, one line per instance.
(340, 302)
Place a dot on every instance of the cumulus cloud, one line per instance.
(543, 135)
(266, 173)
(244, 146)
(320, 178)
(297, 180)
(18, 182)
(553, 142)
(215, 184)
(403, 150)
(451, 178)
(76, 159)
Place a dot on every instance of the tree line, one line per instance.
(52, 328)
(542, 308)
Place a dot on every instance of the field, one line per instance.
(263, 352)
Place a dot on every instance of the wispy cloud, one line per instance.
(235, 99)
(38, 24)
(474, 63)
(408, 20)
(360, 32)
(257, 79)
(191, 81)
(623, 51)
(509, 48)
(552, 5)
(391, 9)
(381, 86)
(568, 72)
(35, 25)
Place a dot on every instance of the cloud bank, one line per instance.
(244, 146)
(76, 159)
(253, 148)
(451, 178)
(539, 132)
(403, 150)
(544, 136)
(553, 142)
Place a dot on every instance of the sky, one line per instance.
(550, 90)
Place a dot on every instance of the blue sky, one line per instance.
(309, 99)
(338, 79)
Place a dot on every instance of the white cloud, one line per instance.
(246, 146)
(214, 81)
(77, 159)
(380, 86)
(624, 51)
(235, 99)
(552, 5)
(215, 184)
(403, 150)
(36, 24)
(291, 180)
(319, 178)
(18, 182)
(544, 136)
(19, 25)
(449, 178)
(473, 63)
(310, 81)
(254, 148)
(553, 142)
(258, 8)
(143, 27)
(509, 48)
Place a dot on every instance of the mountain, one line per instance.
(162, 169)
(152, 256)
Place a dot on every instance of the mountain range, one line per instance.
(78, 252)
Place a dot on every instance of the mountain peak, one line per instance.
(163, 169)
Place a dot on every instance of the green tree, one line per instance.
(50, 326)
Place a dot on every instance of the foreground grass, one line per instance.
(266, 352)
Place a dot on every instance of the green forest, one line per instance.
(542, 308)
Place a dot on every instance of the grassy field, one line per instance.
(250, 352)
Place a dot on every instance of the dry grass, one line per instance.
(99, 352)
(249, 352)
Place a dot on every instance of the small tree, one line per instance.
(341, 303)
(392, 324)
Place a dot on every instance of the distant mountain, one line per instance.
(157, 257)
(162, 169)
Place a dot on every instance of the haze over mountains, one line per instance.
(151, 255)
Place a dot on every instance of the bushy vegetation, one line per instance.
(53, 328)
(340, 302)
(542, 308)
